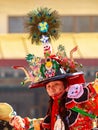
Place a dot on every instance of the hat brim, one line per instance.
(58, 77)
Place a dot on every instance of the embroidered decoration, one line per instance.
(75, 91)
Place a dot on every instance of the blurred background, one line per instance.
(79, 27)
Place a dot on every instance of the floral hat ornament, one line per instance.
(43, 25)
(43, 70)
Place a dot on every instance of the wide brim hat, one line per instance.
(43, 25)
(69, 79)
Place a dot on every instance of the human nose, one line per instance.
(52, 88)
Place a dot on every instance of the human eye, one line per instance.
(72, 92)
(77, 87)
(48, 86)
(56, 84)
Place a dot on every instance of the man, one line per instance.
(57, 110)
(70, 104)
(73, 102)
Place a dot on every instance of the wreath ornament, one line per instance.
(43, 21)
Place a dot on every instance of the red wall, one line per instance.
(22, 62)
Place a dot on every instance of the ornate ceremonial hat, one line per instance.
(43, 25)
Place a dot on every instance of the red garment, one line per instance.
(90, 106)
(54, 113)
(82, 123)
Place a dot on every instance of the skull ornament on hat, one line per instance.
(43, 25)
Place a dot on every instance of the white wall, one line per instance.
(64, 7)
(20, 7)
(3, 23)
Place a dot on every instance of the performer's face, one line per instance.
(54, 88)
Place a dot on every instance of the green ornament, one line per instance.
(29, 57)
(22, 83)
(55, 65)
(76, 109)
(42, 70)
